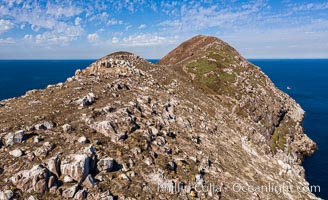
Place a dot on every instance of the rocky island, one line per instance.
(202, 123)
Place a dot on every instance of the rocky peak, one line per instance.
(112, 61)
(194, 47)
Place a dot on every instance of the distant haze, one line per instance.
(91, 29)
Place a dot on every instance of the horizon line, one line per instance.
(22, 59)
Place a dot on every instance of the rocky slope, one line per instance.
(128, 129)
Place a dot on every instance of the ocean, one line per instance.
(304, 80)
(19, 76)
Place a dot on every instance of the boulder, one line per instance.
(70, 191)
(82, 140)
(70, 79)
(36, 139)
(124, 177)
(47, 125)
(68, 179)
(32, 198)
(6, 194)
(118, 125)
(78, 166)
(16, 153)
(44, 149)
(106, 164)
(14, 138)
(53, 165)
(87, 100)
(33, 180)
(169, 111)
(77, 72)
(67, 128)
(81, 194)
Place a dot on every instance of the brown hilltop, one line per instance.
(191, 47)
(128, 129)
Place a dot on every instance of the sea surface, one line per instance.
(304, 80)
(19, 76)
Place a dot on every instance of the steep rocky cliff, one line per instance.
(128, 129)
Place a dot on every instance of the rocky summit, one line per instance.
(203, 123)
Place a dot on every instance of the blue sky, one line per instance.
(62, 29)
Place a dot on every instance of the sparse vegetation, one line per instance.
(273, 141)
(224, 57)
(278, 140)
(210, 72)
(202, 66)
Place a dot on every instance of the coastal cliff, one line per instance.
(202, 123)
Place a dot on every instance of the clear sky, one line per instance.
(65, 29)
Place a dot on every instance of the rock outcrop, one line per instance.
(79, 165)
(14, 138)
(203, 117)
(33, 180)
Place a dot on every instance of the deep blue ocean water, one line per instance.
(306, 78)
(19, 76)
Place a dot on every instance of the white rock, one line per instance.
(44, 149)
(77, 72)
(81, 194)
(67, 128)
(70, 192)
(82, 140)
(32, 198)
(199, 179)
(77, 166)
(14, 138)
(100, 178)
(33, 180)
(47, 125)
(50, 86)
(30, 92)
(154, 130)
(16, 153)
(106, 164)
(131, 174)
(6, 194)
(148, 161)
(68, 179)
(36, 139)
(87, 100)
(53, 165)
(284, 165)
(124, 177)
(119, 125)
